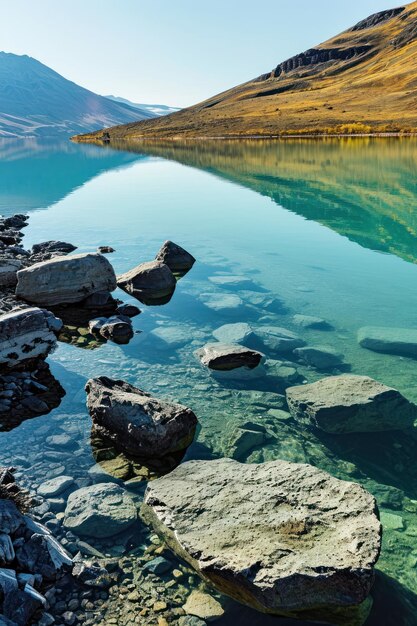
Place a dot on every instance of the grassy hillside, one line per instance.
(361, 81)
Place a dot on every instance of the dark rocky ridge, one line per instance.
(377, 18)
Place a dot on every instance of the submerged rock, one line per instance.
(151, 283)
(27, 334)
(278, 340)
(402, 341)
(178, 260)
(310, 321)
(281, 537)
(203, 605)
(226, 357)
(320, 357)
(241, 333)
(136, 422)
(65, 280)
(100, 511)
(348, 404)
(225, 304)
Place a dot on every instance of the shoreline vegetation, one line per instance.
(299, 135)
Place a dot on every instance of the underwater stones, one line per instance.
(27, 334)
(225, 357)
(65, 279)
(100, 511)
(245, 438)
(240, 333)
(150, 283)
(8, 271)
(168, 337)
(401, 341)
(55, 486)
(229, 281)
(348, 404)
(278, 340)
(227, 304)
(136, 422)
(320, 357)
(283, 538)
(204, 606)
(176, 258)
(312, 322)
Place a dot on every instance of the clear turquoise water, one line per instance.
(327, 227)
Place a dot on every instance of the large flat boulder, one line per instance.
(27, 334)
(136, 422)
(402, 341)
(348, 404)
(281, 537)
(100, 511)
(65, 279)
(151, 283)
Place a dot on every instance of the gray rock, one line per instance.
(91, 575)
(10, 518)
(140, 424)
(27, 334)
(157, 566)
(278, 340)
(22, 605)
(117, 328)
(8, 582)
(281, 537)
(240, 333)
(99, 511)
(55, 486)
(245, 438)
(150, 283)
(105, 249)
(310, 321)
(226, 357)
(8, 271)
(130, 310)
(50, 249)
(348, 403)
(320, 357)
(178, 260)
(6, 549)
(191, 620)
(402, 341)
(204, 606)
(42, 554)
(65, 280)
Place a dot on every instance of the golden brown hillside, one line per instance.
(361, 81)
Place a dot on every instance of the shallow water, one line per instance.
(329, 228)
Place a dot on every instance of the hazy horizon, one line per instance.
(170, 54)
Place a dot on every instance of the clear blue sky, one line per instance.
(174, 52)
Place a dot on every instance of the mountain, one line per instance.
(363, 80)
(35, 101)
(155, 109)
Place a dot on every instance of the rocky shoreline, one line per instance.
(197, 509)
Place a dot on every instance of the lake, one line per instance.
(324, 228)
